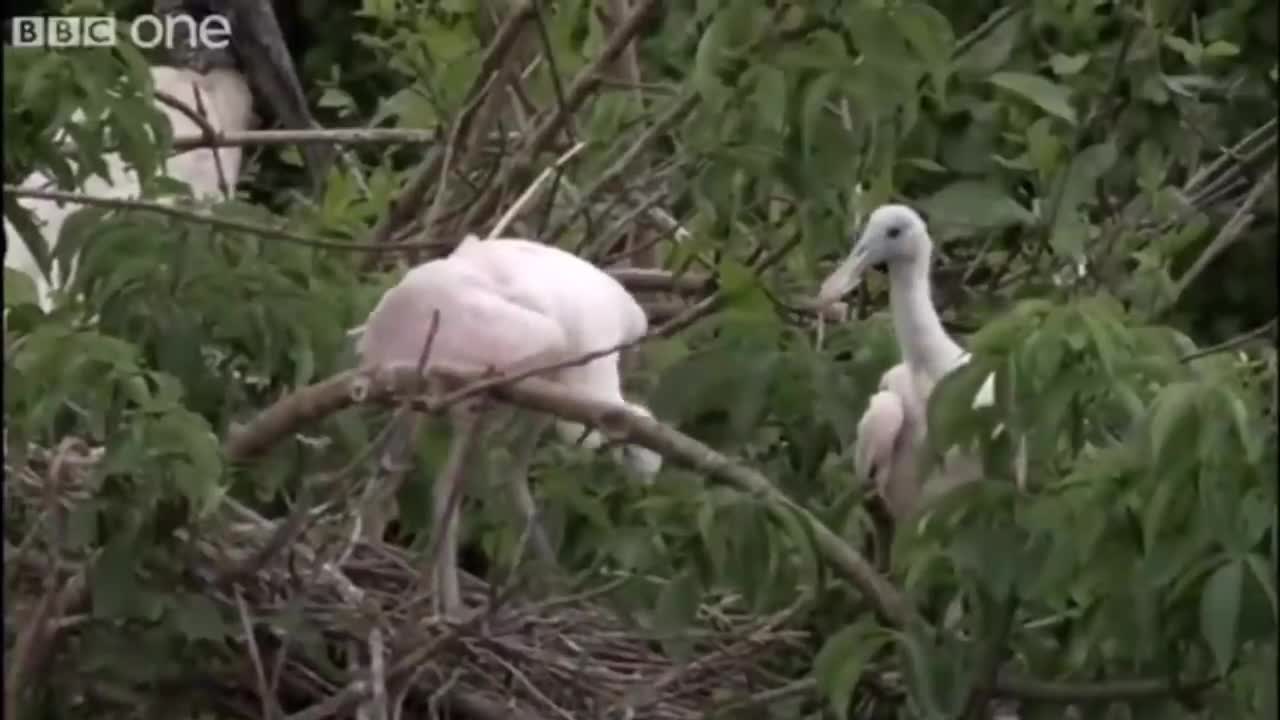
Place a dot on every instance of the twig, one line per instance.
(204, 218)
(377, 673)
(1192, 186)
(403, 207)
(803, 686)
(33, 645)
(227, 189)
(1090, 692)
(456, 135)
(340, 136)
(1227, 236)
(518, 206)
(548, 52)
(1231, 343)
(269, 707)
(582, 86)
(964, 44)
(673, 115)
(197, 116)
(991, 651)
(617, 421)
(642, 279)
(393, 461)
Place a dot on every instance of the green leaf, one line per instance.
(1048, 95)
(709, 57)
(950, 407)
(197, 618)
(1246, 429)
(930, 35)
(989, 55)
(677, 604)
(112, 584)
(1077, 188)
(19, 288)
(843, 658)
(925, 664)
(1064, 65)
(771, 97)
(1172, 407)
(815, 96)
(1265, 575)
(1220, 612)
(974, 205)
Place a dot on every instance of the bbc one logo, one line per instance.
(144, 31)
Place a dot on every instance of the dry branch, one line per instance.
(405, 205)
(316, 401)
(204, 219)
(582, 86)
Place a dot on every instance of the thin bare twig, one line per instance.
(518, 206)
(578, 91)
(1232, 343)
(269, 707)
(339, 136)
(1226, 237)
(402, 208)
(203, 218)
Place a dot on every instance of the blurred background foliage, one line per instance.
(1077, 161)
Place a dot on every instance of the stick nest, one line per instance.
(343, 626)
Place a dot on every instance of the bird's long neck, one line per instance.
(926, 347)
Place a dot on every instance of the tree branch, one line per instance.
(583, 84)
(206, 219)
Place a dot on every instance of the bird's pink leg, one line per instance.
(443, 550)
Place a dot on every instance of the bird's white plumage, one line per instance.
(228, 107)
(507, 303)
(510, 305)
(894, 422)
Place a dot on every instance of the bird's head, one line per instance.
(893, 234)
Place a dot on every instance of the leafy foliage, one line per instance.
(1073, 159)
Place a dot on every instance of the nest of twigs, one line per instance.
(376, 647)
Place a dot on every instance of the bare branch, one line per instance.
(403, 207)
(205, 219)
(583, 84)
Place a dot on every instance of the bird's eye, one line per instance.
(894, 232)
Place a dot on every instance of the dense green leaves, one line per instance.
(1220, 613)
(1048, 95)
(844, 657)
(1033, 135)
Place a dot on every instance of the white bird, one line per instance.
(228, 107)
(509, 305)
(893, 428)
(888, 433)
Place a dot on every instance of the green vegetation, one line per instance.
(736, 145)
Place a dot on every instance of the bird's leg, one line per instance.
(378, 504)
(524, 502)
(467, 419)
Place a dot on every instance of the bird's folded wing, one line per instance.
(479, 329)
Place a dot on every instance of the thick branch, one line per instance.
(316, 401)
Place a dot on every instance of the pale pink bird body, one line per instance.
(510, 305)
(889, 432)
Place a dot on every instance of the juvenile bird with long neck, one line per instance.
(891, 431)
